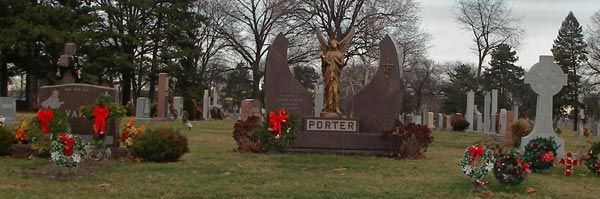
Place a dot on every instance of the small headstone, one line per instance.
(486, 112)
(580, 124)
(503, 122)
(470, 108)
(479, 122)
(163, 92)
(318, 101)
(424, 118)
(205, 104)
(142, 108)
(70, 98)
(440, 121)
(250, 107)
(8, 108)
(447, 123)
(546, 79)
(417, 119)
(515, 112)
(282, 90)
(430, 124)
(178, 103)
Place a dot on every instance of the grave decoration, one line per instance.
(67, 150)
(592, 161)
(21, 131)
(509, 168)
(409, 141)
(278, 131)
(540, 153)
(244, 133)
(477, 162)
(130, 133)
(100, 111)
(569, 163)
(46, 123)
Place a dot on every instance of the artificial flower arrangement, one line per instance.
(569, 163)
(279, 131)
(40, 129)
(477, 162)
(67, 150)
(509, 168)
(592, 161)
(100, 111)
(21, 131)
(130, 133)
(540, 153)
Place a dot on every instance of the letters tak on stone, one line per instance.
(546, 79)
(339, 125)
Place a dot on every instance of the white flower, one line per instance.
(489, 166)
(54, 155)
(467, 169)
(76, 158)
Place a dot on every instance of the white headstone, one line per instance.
(142, 108)
(417, 119)
(205, 102)
(440, 122)
(479, 122)
(502, 122)
(8, 108)
(318, 101)
(424, 118)
(430, 123)
(470, 107)
(546, 79)
(486, 112)
(178, 103)
(515, 113)
(580, 124)
(494, 101)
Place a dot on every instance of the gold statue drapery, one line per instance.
(332, 57)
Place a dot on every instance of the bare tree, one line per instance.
(593, 42)
(491, 22)
(251, 26)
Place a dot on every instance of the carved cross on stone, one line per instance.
(387, 70)
(546, 79)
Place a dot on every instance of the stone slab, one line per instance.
(330, 125)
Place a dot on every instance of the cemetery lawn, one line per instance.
(211, 170)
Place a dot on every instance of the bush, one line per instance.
(161, 145)
(460, 124)
(189, 106)
(410, 141)
(243, 133)
(509, 168)
(270, 141)
(6, 140)
(518, 130)
(540, 153)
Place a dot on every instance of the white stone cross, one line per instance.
(546, 79)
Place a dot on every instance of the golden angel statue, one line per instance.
(332, 57)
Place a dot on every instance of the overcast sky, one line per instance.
(541, 21)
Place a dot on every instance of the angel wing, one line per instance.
(322, 42)
(345, 43)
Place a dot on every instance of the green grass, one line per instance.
(211, 170)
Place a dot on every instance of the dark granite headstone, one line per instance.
(281, 88)
(378, 104)
(70, 97)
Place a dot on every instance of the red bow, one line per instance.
(525, 167)
(100, 115)
(68, 144)
(476, 152)
(276, 120)
(547, 157)
(44, 117)
(569, 163)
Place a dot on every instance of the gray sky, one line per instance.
(541, 21)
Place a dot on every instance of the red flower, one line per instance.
(525, 166)
(276, 120)
(100, 116)
(68, 144)
(547, 157)
(44, 117)
(476, 152)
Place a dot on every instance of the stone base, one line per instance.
(341, 142)
(330, 115)
(560, 152)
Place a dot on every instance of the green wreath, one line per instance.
(67, 150)
(269, 140)
(540, 153)
(509, 168)
(593, 162)
(476, 173)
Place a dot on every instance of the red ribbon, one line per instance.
(476, 152)
(569, 163)
(68, 144)
(547, 157)
(276, 120)
(100, 116)
(44, 117)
